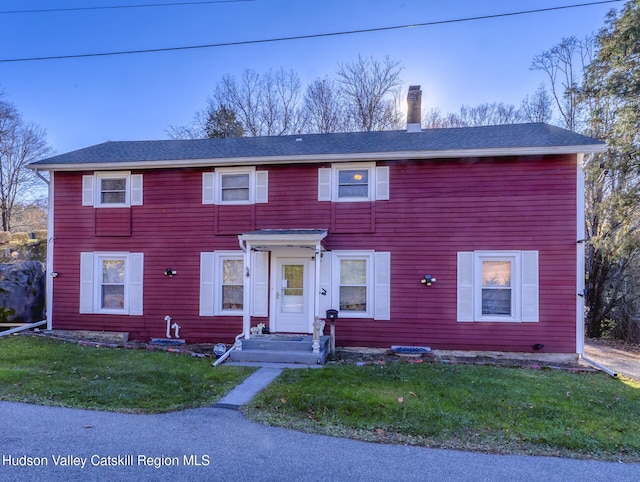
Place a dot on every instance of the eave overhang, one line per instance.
(318, 158)
(265, 239)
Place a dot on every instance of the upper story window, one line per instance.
(353, 182)
(112, 189)
(235, 185)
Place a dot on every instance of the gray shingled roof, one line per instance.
(427, 143)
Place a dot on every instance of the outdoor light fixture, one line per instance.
(427, 280)
(54, 274)
(170, 272)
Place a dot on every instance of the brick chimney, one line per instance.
(414, 109)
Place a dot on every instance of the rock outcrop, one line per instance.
(22, 292)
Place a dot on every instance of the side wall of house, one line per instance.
(436, 209)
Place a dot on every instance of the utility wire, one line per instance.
(310, 36)
(113, 7)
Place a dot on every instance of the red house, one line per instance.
(465, 238)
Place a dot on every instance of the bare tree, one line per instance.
(565, 64)
(371, 89)
(323, 107)
(266, 105)
(538, 107)
(20, 144)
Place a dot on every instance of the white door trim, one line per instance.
(277, 259)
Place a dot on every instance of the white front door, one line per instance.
(292, 300)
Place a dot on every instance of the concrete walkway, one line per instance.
(57, 444)
(249, 388)
(256, 382)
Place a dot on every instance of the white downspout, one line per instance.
(50, 237)
(580, 271)
(246, 296)
(580, 254)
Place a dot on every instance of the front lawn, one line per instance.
(489, 409)
(49, 372)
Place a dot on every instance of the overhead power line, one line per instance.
(114, 7)
(309, 36)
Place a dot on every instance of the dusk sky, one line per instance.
(86, 101)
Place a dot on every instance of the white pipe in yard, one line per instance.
(608, 371)
(22, 328)
(226, 354)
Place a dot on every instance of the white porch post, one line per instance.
(247, 295)
(318, 324)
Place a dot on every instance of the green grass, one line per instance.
(48, 372)
(490, 409)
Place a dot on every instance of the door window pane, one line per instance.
(292, 288)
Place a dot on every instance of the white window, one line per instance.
(360, 283)
(237, 185)
(353, 182)
(112, 189)
(222, 276)
(231, 283)
(498, 286)
(111, 283)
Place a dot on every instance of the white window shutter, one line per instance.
(324, 184)
(136, 189)
(87, 190)
(382, 183)
(465, 286)
(208, 188)
(207, 287)
(86, 282)
(382, 289)
(530, 295)
(260, 283)
(136, 277)
(262, 186)
(325, 284)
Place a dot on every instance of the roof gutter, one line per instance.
(315, 158)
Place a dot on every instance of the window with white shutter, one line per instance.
(111, 283)
(353, 182)
(119, 189)
(498, 286)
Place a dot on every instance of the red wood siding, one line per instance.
(436, 209)
(113, 222)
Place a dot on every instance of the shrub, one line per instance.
(20, 238)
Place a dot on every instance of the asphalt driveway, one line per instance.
(220, 444)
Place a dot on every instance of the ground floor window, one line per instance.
(498, 286)
(232, 283)
(111, 283)
(353, 271)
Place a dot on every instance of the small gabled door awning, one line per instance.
(266, 239)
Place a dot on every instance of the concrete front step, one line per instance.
(282, 342)
(282, 349)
